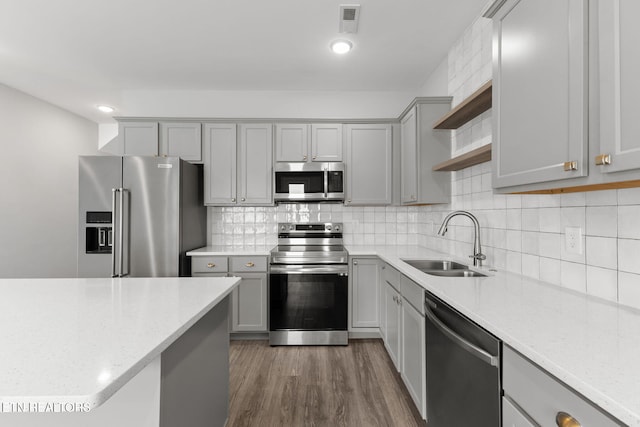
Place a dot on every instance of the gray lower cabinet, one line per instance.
(238, 164)
(368, 152)
(421, 148)
(249, 303)
(165, 139)
(540, 102)
(248, 308)
(365, 292)
(537, 398)
(392, 323)
(413, 348)
(512, 416)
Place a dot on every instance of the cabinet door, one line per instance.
(256, 164)
(409, 157)
(381, 300)
(292, 142)
(539, 91)
(392, 316)
(368, 165)
(138, 138)
(619, 38)
(413, 355)
(182, 140)
(220, 164)
(365, 291)
(326, 142)
(513, 417)
(249, 303)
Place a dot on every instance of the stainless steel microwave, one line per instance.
(309, 182)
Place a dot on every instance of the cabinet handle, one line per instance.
(233, 200)
(395, 299)
(210, 265)
(570, 166)
(565, 420)
(383, 267)
(304, 157)
(349, 201)
(243, 199)
(314, 157)
(164, 155)
(355, 262)
(250, 264)
(603, 159)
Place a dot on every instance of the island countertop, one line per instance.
(78, 341)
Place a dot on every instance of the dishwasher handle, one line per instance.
(460, 341)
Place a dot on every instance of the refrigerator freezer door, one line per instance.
(97, 176)
(152, 217)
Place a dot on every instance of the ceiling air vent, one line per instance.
(349, 16)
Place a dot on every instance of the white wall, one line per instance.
(437, 84)
(39, 175)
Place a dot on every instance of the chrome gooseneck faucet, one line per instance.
(477, 256)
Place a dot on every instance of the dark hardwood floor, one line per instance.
(355, 385)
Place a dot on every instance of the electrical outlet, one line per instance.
(573, 240)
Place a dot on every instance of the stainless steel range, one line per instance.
(308, 286)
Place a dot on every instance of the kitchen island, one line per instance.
(103, 352)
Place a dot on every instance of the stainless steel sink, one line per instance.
(455, 273)
(431, 264)
(443, 268)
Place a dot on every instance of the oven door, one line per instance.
(308, 305)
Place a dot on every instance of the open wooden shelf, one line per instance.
(473, 106)
(473, 157)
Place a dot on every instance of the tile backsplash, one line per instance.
(524, 234)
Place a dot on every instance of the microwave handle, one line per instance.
(326, 183)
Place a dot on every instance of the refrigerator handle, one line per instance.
(121, 244)
(114, 192)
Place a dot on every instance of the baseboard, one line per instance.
(236, 336)
(358, 335)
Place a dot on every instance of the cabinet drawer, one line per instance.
(209, 264)
(413, 293)
(542, 397)
(248, 264)
(391, 276)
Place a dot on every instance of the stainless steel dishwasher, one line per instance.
(463, 370)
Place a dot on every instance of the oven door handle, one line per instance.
(299, 269)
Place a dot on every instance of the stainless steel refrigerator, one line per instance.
(139, 216)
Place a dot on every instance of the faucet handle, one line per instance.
(479, 256)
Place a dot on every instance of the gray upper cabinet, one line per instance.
(540, 103)
(138, 138)
(309, 143)
(256, 164)
(238, 168)
(326, 142)
(181, 139)
(421, 148)
(167, 139)
(292, 142)
(619, 86)
(409, 158)
(368, 164)
(220, 158)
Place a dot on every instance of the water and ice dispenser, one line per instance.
(99, 233)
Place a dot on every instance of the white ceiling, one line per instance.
(79, 53)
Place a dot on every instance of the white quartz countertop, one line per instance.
(77, 341)
(588, 343)
(222, 250)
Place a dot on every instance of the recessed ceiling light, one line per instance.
(106, 109)
(341, 46)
